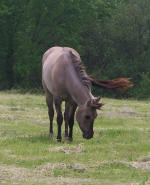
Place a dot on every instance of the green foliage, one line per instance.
(126, 36)
(112, 37)
(144, 86)
(44, 25)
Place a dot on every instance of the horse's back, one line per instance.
(56, 61)
(58, 50)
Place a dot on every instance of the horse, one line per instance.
(64, 79)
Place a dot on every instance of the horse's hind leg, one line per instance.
(49, 101)
(66, 118)
(58, 103)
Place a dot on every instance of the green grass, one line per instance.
(114, 156)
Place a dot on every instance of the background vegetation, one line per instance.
(112, 37)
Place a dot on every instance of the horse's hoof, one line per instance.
(66, 136)
(50, 134)
(58, 139)
(68, 139)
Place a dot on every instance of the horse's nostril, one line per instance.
(88, 136)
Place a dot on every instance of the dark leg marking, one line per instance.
(66, 118)
(72, 109)
(59, 117)
(49, 101)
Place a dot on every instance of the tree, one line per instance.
(10, 14)
(46, 24)
(127, 46)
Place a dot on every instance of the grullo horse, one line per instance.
(64, 79)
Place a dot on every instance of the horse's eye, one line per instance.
(87, 117)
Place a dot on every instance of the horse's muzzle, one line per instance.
(88, 136)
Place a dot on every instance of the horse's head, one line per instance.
(86, 115)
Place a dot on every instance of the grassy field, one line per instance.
(119, 153)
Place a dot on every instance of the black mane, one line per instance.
(80, 69)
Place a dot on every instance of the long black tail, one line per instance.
(118, 84)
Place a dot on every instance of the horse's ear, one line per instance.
(97, 99)
(99, 105)
(95, 103)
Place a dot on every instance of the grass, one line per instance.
(119, 153)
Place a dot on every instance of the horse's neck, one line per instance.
(79, 93)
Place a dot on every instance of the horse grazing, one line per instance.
(64, 79)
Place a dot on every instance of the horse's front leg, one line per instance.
(70, 109)
(58, 103)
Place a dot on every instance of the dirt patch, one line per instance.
(8, 117)
(145, 159)
(13, 174)
(48, 168)
(134, 164)
(68, 149)
(138, 165)
(18, 175)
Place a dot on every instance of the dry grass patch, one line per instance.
(68, 149)
(138, 165)
(48, 168)
(14, 174)
(18, 175)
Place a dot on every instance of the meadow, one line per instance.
(119, 153)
